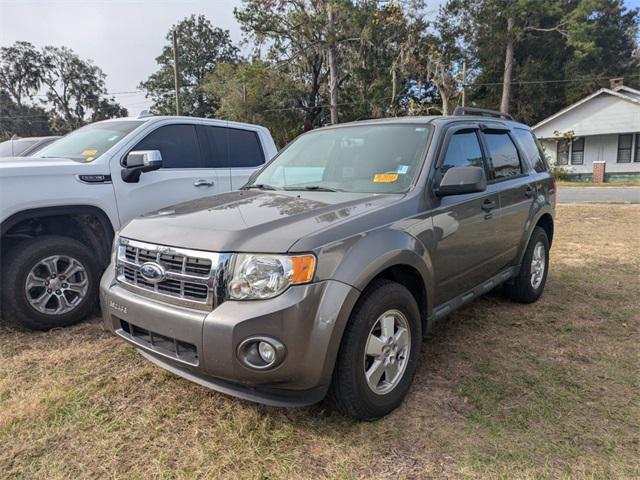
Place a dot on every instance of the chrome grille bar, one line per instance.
(192, 277)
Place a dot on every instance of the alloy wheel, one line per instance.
(56, 284)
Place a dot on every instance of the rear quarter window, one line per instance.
(532, 148)
(232, 147)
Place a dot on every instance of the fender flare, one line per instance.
(102, 238)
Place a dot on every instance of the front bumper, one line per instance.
(307, 319)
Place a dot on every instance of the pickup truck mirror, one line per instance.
(460, 180)
(140, 161)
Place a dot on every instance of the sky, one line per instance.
(122, 37)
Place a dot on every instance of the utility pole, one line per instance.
(176, 72)
(331, 51)
(508, 67)
(464, 82)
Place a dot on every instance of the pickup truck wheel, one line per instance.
(49, 282)
(529, 284)
(378, 354)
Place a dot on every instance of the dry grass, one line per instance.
(504, 391)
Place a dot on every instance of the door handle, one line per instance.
(529, 191)
(488, 205)
(203, 183)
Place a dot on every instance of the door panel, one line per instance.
(182, 178)
(517, 192)
(466, 227)
(468, 243)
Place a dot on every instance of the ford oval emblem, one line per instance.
(152, 272)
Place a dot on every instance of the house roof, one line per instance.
(620, 92)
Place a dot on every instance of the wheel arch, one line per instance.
(89, 224)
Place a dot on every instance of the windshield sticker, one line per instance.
(385, 177)
(402, 169)
(89, 152)
(88, 159)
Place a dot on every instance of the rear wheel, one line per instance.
(49, 282)
(378, 354)
(529, 284)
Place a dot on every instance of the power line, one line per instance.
(530, 82)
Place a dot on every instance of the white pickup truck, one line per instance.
(59, 211)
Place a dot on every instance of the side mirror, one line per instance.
(140, 161)
(461, 180)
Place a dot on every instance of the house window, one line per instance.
(577, 152)
(624, 148)
(562, 157)
(636, 158)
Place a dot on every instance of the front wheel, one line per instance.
(529, 284)
(49, 282)
(378, 354)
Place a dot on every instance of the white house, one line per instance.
(601, 130)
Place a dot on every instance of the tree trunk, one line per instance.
(331, 55)
(508, 68)
(445, 104)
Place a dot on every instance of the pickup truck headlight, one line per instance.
(261, 276)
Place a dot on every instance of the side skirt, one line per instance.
(446, 308)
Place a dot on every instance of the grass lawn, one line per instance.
(503, 391)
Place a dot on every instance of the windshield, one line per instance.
(88, 143)
(13, 148)
(365, 158)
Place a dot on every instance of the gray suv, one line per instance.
(323, 273)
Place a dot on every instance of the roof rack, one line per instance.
(482, 112)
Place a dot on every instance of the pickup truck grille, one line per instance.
(189, 277)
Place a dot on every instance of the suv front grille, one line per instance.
(189, 278)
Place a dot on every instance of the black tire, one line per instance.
(17, 264)
(349, 393)
(521, 289)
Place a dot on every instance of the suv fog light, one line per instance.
(261, 353)
(267, 352)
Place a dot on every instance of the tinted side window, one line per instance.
(178, 145)
(504, 155)
(463, 151)
(244, 148)
(532, 150)
(233, 147)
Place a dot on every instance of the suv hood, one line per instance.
(252, 221)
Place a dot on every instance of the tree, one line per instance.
(257, 92)
(293, 33)
(74, 90)
(567, 44)
(201, 48)
(23, 121)
(20, 71)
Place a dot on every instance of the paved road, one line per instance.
(598, 194)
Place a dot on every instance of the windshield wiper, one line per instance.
(259, 186)
(314, 188)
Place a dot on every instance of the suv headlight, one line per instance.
(261, 276)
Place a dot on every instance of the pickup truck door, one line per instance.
(517, 190)
(235, 151)
(465, 226)
(184, 176)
